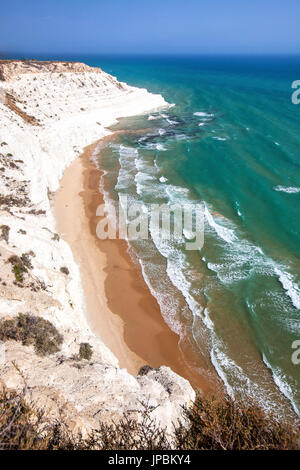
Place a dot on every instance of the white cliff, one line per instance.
(48, 113)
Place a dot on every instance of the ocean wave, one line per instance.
(225, 233)
(289, 285)
(162, 292)
(172, 122)
(203, 114)
(287, 189)
(240, 258)
(282, 383)
(236, 382)
(177, 194)
(220, 138)
(152, 146)
(125, 180)
(181, 136)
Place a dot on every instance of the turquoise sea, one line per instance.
(232, 142)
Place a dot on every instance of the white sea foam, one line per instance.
(225, 233)
(172, 122)
(177, 193)
(181, 137)
(236, 264)
(202, 114)
(161, 147)
(127, 160)
(287, 189)
(232, 375)
(162, 179)
(281, 381)
(289, 285)
(125, 179)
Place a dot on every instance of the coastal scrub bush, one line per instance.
(227, 424)
(64, 270)
(32, 330)
(85, 351)
(19, 270)
(145, 369)
(25, 258)
(21, 265)
(18, 267)
(212, 425)
(24, 428)
(10, 201)
(4, 232)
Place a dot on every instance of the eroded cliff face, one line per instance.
(48, 113)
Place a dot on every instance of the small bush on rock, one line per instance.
(85, 351)
(32, 330)
(145, 369)
(4, 232)
(64, 270)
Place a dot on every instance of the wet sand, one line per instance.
(120, 306)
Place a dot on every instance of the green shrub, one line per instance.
(18, 267)
(85, 351)
(33, 330)
(21, 265)
(19, 270)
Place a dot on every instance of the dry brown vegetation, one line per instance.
(212, 424)
(31, 330)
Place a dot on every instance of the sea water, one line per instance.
(232, 143)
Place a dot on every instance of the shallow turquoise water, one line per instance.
(232, 142)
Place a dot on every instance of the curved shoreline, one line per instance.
(73, 110)
(120, 307)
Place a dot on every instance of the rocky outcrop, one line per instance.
(72, 104)
(10, 69)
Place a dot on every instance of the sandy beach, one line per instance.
(120, 306)
(52, 111)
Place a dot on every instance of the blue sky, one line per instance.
(152, 27)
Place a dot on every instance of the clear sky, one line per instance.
(149, 26)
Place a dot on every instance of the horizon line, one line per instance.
(30, 55)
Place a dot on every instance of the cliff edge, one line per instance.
(49, 111)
